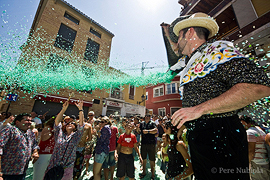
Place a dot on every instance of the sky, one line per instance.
(135, 24)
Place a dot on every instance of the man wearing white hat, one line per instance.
(216, 81)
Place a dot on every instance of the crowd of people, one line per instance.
(205, 138)
(70, 142)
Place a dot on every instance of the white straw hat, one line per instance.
(197, 20)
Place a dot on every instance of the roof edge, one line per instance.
(86, 16)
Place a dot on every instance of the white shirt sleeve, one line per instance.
(37, 120)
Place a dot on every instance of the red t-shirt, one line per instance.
(114, 131)
(127, 140)
(46, 147)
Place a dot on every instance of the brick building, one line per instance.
(61, 35)
(163, 99)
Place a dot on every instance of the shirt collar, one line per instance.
(199, 49)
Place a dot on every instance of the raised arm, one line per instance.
(79, 105)
(181, 147)
(239, 96)
(59, 117)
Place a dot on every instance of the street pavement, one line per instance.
(159, 173)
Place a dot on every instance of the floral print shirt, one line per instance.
(16, 148)
(104, 140)
(64, 152)
(212, 70)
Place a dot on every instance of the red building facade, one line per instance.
(163, 98)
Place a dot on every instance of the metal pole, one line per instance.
(8, 107)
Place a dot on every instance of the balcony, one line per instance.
(116, 94)
(131, 97)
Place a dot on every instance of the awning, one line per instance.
(59, 99)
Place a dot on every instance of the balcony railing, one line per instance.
(116, 94)
(131, 96)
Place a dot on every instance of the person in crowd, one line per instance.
(267, 144)
(6, 119)
(35, 119)
(89, 150)
(161, 130)
(155, 119)
(43, 117)
(110, 161)
(46, 145)
(66, 138)
(123, 154)
(257, 152)
(91, 117)
(216, 81)
(121, 127)
(66, 120)
(179, 164)
(86, 137)
(136, 130)
(4, 116)
(18, 146)
(148, 144)
(34, 130)
(164, 154)
(90, 146)
(102, 147)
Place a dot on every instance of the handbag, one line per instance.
(57, 172)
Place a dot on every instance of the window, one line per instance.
(55, 62)
(73, 19)
(88, 72)
(95, 32)
(131, 92)
(158, 91)
(116, 93)
(173, 109)
(172, 88)
(91, 51)
(146, 95)
(161, 111)
(65, 38)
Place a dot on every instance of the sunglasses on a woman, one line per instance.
(73, 123)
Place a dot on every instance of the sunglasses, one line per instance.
(73, 123)
(167, 127)
(90, 115)
(102, 121)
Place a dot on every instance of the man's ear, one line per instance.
(190, 33)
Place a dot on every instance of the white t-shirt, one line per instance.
(255, 134)
(37, 121)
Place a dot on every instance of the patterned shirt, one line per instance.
(64, 152)
(206, 79)
(104, 140)
(16, 148)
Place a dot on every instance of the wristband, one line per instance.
(80, 110)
